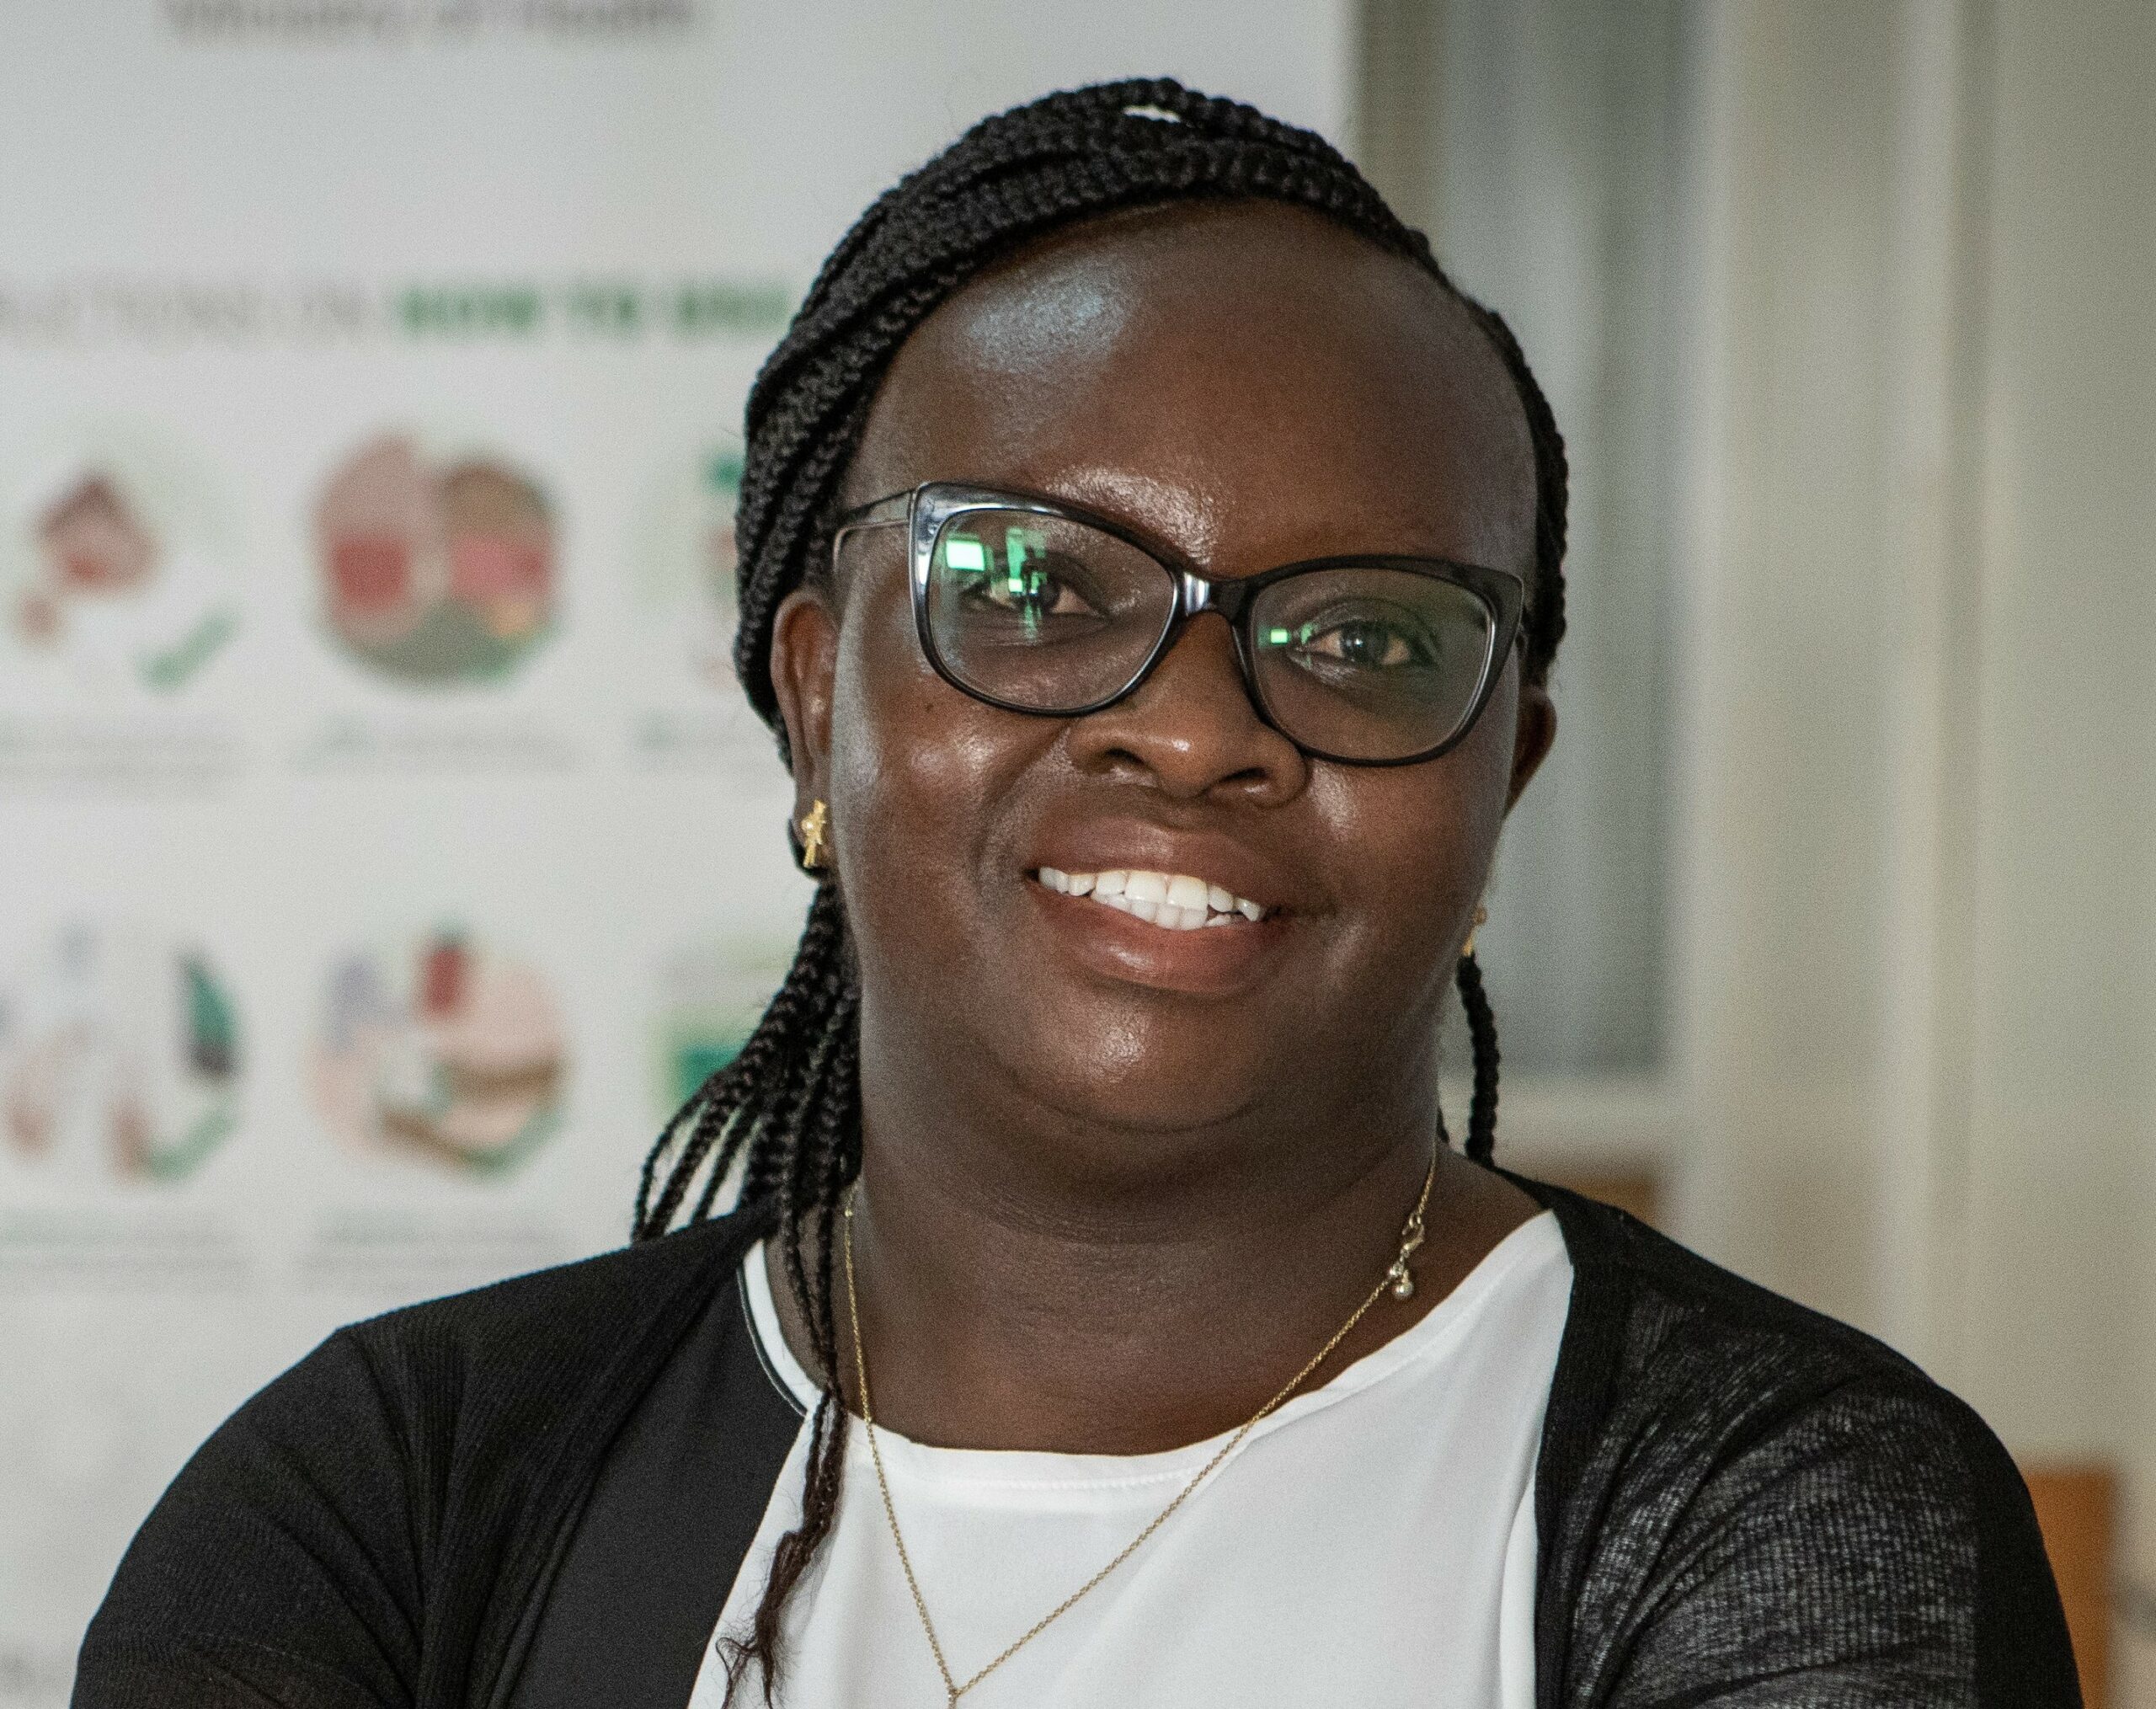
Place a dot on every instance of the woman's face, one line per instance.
(1248, 386)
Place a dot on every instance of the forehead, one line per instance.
(1251, 382)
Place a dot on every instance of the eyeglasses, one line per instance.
(1040, 607)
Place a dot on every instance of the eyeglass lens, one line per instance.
(1054, 615)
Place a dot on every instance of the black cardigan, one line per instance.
(1739, 1503)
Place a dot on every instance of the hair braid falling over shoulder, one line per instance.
(782, 1120)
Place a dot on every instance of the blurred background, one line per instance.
(384, 848)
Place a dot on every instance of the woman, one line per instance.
(1151, 566)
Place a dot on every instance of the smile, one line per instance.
(1174, 901)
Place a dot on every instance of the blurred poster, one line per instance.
(440, 1051)
(120, 1057)
(436, 568)
(385, 845)
(116, 566)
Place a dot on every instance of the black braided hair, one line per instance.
(1482, 1050)
(784, 1118)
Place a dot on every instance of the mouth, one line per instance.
(1169, 901)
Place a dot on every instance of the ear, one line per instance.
(804, 668)
(1533, 732)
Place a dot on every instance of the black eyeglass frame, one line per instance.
(930, 507)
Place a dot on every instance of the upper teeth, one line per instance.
(1173, 899)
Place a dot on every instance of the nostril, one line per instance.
(1191, 727)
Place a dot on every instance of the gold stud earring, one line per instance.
(813, 828)
(1481, 919)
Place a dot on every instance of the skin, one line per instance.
(1118, 1183)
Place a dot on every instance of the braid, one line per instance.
(785, 1113)
(1482, 1047)
(750, 1103)
(826, 1158)
(1546, 616)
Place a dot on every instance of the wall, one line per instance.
(1915, 915)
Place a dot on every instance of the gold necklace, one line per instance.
(1397, 1279)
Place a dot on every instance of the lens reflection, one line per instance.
(1043, 612)
(1050, 614)
(1375, 663)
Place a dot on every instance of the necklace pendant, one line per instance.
(1403, 1282)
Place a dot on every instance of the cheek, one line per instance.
(1425, 837)
(914, 768)
(885, 700)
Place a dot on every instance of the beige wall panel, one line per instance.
(2061, 1331)
(1917, 899)
(2066, 987)
(1781, 886)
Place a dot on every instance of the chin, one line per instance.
(1142, 1079)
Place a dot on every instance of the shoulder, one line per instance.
(491, 1398)
(409, 1477)
(1746, 1465)
(550, 1331)
(1653, 1320)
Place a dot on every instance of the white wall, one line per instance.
(1917, 901)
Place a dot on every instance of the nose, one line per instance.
(1191, 729)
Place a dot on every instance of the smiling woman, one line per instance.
(1151, 566)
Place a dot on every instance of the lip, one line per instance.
(1110, 944)
(1102, 846)
(1214, 961)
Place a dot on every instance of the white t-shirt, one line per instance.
(1370, 1544)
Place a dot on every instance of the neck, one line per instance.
(1025, 1285)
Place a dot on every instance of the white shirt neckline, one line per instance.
(1428, 1338)
(1374, 1541)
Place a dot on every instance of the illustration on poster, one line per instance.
(113, 565)
(445, 1051)
(119, 1058)
(686, 553)
(436, 570)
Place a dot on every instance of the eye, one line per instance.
(1359, 641)
(1036, 590)
(1023, 580)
